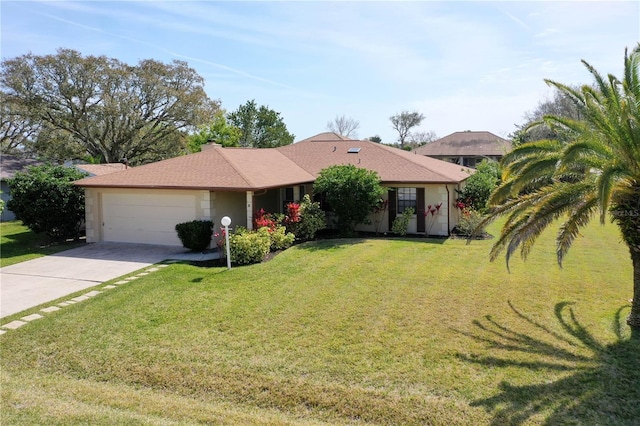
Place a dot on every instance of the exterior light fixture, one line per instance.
(226, 221)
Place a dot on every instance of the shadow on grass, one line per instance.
(600, 383)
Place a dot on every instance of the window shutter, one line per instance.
(393, 207)
(420, 217)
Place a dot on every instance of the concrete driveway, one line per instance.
(41, 280)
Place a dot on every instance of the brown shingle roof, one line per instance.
(242, 169)
(392, 164)
(466, 144)
(101, 169)
(325, 137)
(214, 169)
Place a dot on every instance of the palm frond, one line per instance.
(631, 75)
(601, 83)
(529, 149)
(578, 218)
(529, 217)
(556, 201)
(598, 168)
(571, 93)
(605, 183)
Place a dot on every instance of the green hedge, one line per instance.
(195, 235)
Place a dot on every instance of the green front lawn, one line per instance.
(18, 243)
(365, 331)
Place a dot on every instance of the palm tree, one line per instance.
(595, 174)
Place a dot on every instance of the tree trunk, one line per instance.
(626, 214)
(634, 317)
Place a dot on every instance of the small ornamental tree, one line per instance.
(479, 186)
(351, 192)
(45, 199)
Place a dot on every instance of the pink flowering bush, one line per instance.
(431, 215)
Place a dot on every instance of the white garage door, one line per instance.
(146, 218)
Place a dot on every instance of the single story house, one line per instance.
(9, 166)
(143, 204)
(466, 148)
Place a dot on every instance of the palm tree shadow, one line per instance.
(599, 384)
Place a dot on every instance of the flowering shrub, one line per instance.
(263, 219)
(469, 221)
(309, 219)
(249, 246)
(293, 214)
(219, 237)
(431, 214)
(401, 224)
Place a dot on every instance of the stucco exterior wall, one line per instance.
(232, 204)
(439, 223)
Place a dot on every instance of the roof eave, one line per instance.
(186, 187)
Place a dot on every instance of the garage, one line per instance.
(138, 217)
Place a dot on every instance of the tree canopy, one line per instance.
(403, 122)
(260, 127)
(351, 192)
(70, 106)
(534, 127)
(218, 130)
(594, 173)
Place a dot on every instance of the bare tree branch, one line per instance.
(344, 126)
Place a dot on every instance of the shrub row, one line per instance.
(272, 232)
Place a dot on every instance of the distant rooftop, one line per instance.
(10, 164)
(466, 143)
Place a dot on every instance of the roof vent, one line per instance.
(354, 150)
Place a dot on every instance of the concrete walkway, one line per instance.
(34, 282)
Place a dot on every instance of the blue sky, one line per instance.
(465, 65)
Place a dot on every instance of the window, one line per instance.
(406, 198)
(288, 198)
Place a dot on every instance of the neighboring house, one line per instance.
(466, 148)
(9, 166)
(143, 204)
(100, 169)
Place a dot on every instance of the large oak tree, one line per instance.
(101, 107)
